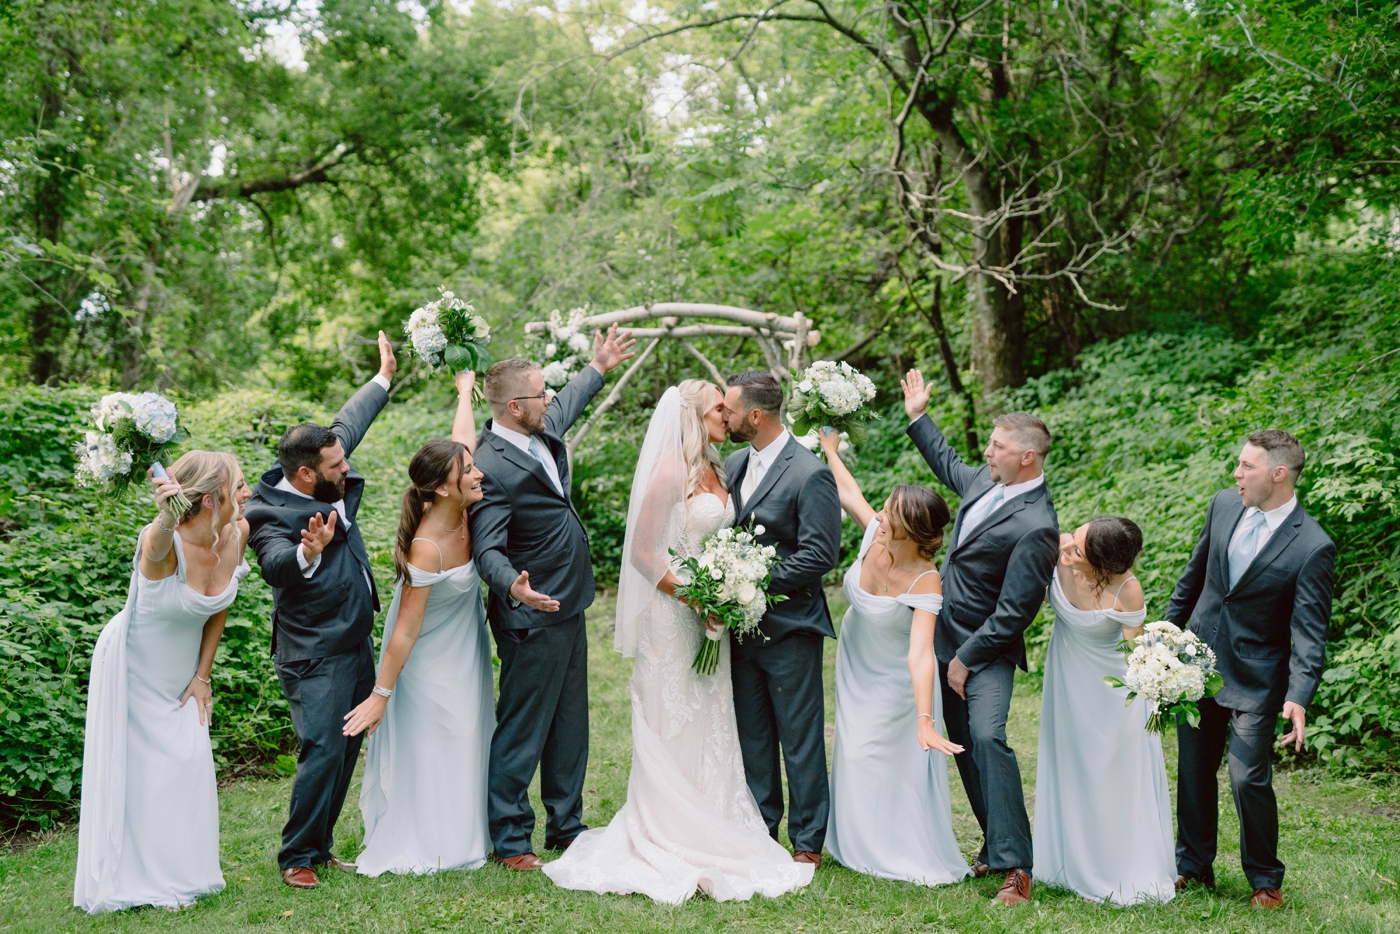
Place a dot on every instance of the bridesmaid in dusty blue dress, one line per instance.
(1103, 825)
(891, 813)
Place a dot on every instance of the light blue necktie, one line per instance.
(1246, 547)
(539, 452)
(983, 508)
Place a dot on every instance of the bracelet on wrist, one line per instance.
(205, 680)
(163, 528)
(922, 715)
(383, 692)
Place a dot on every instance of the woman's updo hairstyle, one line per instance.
(437, 463)
(205, 473)
(921, 515)
(1111, 545)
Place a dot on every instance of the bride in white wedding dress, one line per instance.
(689, 822)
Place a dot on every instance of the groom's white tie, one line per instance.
(752, 476)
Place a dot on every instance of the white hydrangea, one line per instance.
(734, 557)
(100, 459)
(155, 417)
(580, 343)
(1169, 665)
(112, 408)
(557, 373)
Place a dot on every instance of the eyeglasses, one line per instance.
(543, 395)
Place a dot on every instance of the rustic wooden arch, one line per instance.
(784, 340)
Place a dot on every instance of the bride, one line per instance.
(689, 821)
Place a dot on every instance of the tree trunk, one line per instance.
(49, 320)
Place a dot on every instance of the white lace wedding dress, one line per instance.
(689, 821)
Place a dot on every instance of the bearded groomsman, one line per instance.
(1257, 590)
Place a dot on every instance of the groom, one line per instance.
(1005, 543)
(1258, 590)
(531, 550)
(303, 525)
(780, 485)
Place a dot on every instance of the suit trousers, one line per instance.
(541, 722)
(321, 691)
(1251, 738)
(779, 705)
(988, 767)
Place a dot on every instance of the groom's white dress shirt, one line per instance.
(308, 568)
(759, 464)
(981, 510)
(535, 447)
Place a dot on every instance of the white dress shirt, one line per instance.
(1272, 520)
(980, 511)
(522, 441)
(760, 462)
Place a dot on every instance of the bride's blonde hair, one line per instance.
(206, 473)
(697, 398)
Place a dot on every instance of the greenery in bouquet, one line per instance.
(832, 394)
(134, 431)
(728, 581)
(449, 333)
(1173, 669)
(567, 346)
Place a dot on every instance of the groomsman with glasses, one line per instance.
(1257, 590)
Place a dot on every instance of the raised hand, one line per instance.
(916, 394)
(609, 351)
(164, 490)
(317, 535)
(830, 440)
(524, 593)
(388, 363)
(465, 380)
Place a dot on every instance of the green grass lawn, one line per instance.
(1341, 841)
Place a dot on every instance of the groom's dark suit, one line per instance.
(320, 634)
(523, 523)
(778, 681)
(1283, 596)
(993, 585)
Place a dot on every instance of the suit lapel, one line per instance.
(771, 477)
(1003, 512)
(522, 460)
(1277, 543)
(736, 481)
(1220, 537)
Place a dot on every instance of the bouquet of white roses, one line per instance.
(729, 581)
(133, 432)
(567, 346)
(449, 332)
(832, 394)
(1171, 668)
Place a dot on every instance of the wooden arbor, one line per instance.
(783, 339)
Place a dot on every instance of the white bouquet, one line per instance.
(1171, 668)
(567, 346)
(133, 432)
(729, 581)
(832, 394)
(449, 332)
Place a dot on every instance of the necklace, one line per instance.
(889, 572)
(443, 527)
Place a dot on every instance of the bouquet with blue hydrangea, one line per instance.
(449, 332)
(134, 430)
(833, 395)
(1172, 669)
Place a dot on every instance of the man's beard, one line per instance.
(532, 428)
(745, 431)
(328, 491)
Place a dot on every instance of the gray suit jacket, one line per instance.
(800, 511)
(333, 610)
(522, 523)
(1285, 593)
(994, 582)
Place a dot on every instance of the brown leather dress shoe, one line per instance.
(980, 870)
(342, 865)
(1016, 890)
(525, 862)
(300, 877)
(1266, 898)
(807, 856)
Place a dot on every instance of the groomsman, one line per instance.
(1004, 547)
(304, 530)
(1259, 578)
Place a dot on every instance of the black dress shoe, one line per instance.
(1183, 881)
